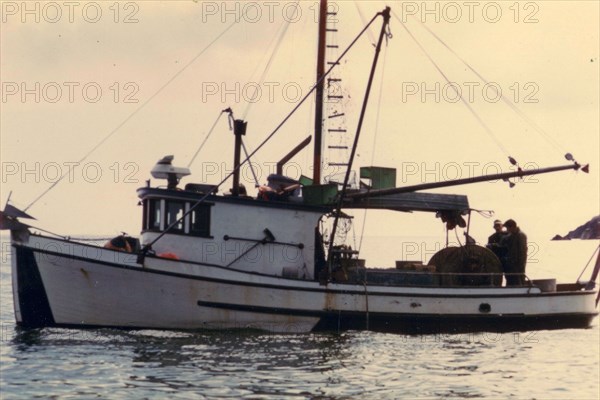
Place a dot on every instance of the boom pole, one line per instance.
(465, 181)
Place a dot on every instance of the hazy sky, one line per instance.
(73, 72)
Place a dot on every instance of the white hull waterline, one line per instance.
(68, 284)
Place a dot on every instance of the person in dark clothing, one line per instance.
(516, 254)
(495, 241)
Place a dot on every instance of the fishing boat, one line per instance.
(209, 258)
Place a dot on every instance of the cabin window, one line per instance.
(154, 214)
(200, 221)
(160, 214)
(174, 211)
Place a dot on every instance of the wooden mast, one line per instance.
(319, 92)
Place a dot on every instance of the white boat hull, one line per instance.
(63, 283)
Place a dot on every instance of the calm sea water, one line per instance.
(108, 363)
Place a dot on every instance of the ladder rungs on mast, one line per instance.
(333, 46)
(332, 63)
(337, 130)
(334, 79)
(331, 30)
(334, 97)
(336, 115)
(338, 164)
(338, 147)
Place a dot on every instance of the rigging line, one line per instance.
(517, 110)
(481, 122)
(457, 238)
(48, 232)
(205, 139)
(364, 21)
(362, 232)
(273, 39)
(250, 164)
(366, 303)
(284, 29)
(484, 213)
(201, 200)
(588, 263)
(137, 110)
(279, 39)
(98, 239)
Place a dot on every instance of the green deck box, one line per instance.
(320, 194)
(381, 177)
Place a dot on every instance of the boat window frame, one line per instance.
(207, 209)
(149, 220)
(144, 204)
(166, 223)
(153, 205)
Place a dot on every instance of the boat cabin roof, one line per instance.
(193, 196)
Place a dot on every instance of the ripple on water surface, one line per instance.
(241, 364)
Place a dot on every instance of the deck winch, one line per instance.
(468, 265)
